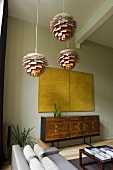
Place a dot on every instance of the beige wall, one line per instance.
(21, 90)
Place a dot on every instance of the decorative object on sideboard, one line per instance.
(57, 113)
(63, 26)
(34, 63)
(68, 59)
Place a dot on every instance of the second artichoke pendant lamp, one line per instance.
(34, 63)
(68, 58)
(63, 26)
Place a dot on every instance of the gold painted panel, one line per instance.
(81, 91)
(53, 89)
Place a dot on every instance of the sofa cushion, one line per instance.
(61, 162)
(35, 164)
(29, 153)
(49, 164)
(38, 151)
(42, 152)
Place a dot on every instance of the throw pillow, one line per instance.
(48, 164)
(29, 153)
(35, 164)
(38, 151)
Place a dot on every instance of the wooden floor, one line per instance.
(71, 152)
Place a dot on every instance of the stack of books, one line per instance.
(103, 153)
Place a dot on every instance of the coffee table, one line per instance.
(95, 160)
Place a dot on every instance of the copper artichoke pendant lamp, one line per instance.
(68, 58)
(35, 64)
(63, 26)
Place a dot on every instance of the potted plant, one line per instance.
(22, 138)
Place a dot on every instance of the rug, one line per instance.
(75, 162)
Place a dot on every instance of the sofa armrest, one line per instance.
(50, 151)
(18, 159)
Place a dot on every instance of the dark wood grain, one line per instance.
(54, 129)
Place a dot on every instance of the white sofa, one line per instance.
(51, 159)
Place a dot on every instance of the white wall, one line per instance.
(21, 90)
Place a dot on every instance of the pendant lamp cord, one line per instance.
(36, 48)
(63, 6)
(67, 44)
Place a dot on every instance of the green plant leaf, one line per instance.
(22, 138)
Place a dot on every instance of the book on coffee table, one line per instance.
(110, 152)
(92, 150)
(103, 156)
(105, 149)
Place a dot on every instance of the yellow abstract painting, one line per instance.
(71, 90)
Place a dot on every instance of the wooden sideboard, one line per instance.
(69, 127)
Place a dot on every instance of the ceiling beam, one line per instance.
(104, 12)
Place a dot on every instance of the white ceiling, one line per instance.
(94, 17)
